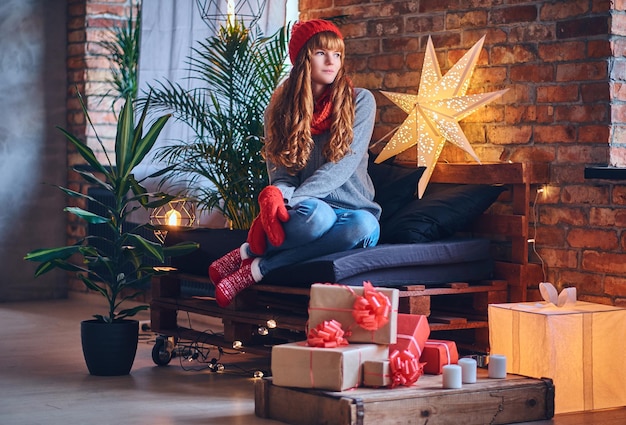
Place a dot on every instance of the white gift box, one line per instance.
(581, 347)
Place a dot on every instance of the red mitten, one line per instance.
(273, 214)
(256, 237)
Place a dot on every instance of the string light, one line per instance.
(237, 345)
(263, 331)
(258, 374)
(271, 323)
(532, 240)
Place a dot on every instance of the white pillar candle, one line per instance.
(452, 376)
(468, 370)
(497, 366)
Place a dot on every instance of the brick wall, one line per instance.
(89, 21)
(563, 63)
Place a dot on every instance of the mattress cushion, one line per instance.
(394, 264)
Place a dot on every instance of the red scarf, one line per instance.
(321, 113)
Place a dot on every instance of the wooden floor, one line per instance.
(43, 378)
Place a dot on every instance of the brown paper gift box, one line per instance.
(336, 369)
(335, 302)
(376, 373)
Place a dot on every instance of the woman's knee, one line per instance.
(361, 228)
(310, 219)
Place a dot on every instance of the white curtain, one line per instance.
(171, 28)
(169, 31)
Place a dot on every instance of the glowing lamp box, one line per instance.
(295, 364)
(581, 347)
(337, 302)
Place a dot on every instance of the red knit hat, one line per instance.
(303, 31)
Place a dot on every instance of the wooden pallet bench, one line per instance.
(456, 311)
(287, 306)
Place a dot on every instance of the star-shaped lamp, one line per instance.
(434, 113)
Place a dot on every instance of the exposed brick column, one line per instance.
(617, 86)
(88, 22)
(564, 65)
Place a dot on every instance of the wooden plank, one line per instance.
(280, 289)
(208, 307)
(498, 285)
(493, 401)
(415, 305)
(449, 320)
(470, 324)
(501, 225)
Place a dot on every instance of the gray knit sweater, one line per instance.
(344, 184)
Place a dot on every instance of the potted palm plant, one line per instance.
(238, 70)
(119, 265)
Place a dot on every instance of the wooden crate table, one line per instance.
(488, 401)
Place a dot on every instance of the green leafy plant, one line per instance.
(119, 264)
(121, 47)
(239, 69)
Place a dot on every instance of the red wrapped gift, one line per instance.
(413, 331)
(438, 353)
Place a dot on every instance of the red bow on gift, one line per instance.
(371, 310)
(405, 368)
(327, 334)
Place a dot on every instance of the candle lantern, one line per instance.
(176, 213)
(216, 13)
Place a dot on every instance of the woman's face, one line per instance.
(325, 64)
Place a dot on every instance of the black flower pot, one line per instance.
(109, 348)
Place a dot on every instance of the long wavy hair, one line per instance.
(288, 141)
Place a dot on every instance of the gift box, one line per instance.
(412, 332)
(438, 353)
(296, 364)
(337, 302)
(580, 347)
(376, 373)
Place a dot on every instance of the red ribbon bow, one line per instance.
(405, 368)
(327, 334)
(371, 310)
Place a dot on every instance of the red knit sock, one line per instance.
(228, 288)
(225, 265)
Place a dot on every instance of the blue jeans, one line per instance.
(315, 229)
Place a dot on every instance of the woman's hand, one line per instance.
(273, 214)
(257, 239)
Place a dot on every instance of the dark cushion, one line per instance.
(395, 186)
(443, 211)
(450, 260)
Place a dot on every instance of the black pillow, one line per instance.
(443, 210)
(395, 186)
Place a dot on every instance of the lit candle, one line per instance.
(173, 218)
(452, 376)
(468, 369)
(230, 13)
(497, 366)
